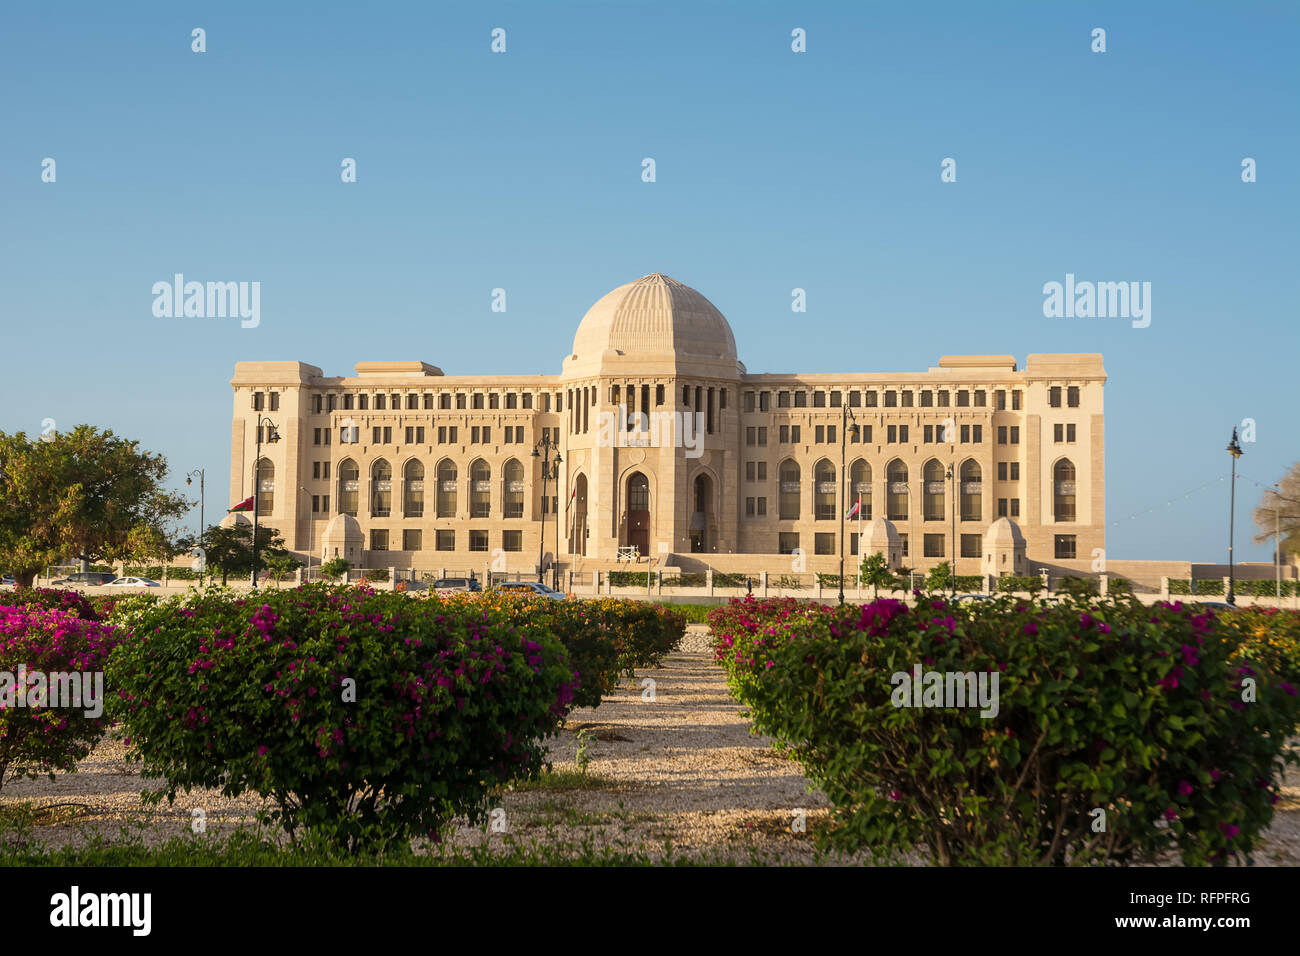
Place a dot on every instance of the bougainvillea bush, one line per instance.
(61, 599)
(42, 739)
(606, 638)
(366, 716)
(1121, 731)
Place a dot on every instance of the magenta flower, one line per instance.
(1184, 788)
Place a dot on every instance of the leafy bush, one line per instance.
(1117, 585)
(335, 568)
(723, 579)
(154, 572)
(368, 717)
(631, 579)
(35, 737)
(1029, 584)
(1078, 587)
(690, 613)
(182, 574)
(53, 599)
(790, 582)
(1140, 712)
(687, 579)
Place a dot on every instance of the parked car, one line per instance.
(530, 588)
(1217, 605)
(457, 584)
(972, 598)
(133, 582)
(6, 579)
(86, 579)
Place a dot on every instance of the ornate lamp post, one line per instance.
(1234, 449)
(272, 436)
(203, 553)
(844, 479)
(550, 469)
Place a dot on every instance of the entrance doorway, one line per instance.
(638, 512)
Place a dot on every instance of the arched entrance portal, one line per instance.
(638, 512)
(701, 513)
(578, 528)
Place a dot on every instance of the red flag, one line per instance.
(245, 505)
(854, 510)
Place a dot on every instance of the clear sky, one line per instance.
(775, 170)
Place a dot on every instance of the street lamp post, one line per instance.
(844, 478)
(203, 554)
(311, 527)
(271, 438)
(952, 480)
(550, 469)
(1234, 449)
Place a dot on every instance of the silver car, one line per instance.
(532, 588)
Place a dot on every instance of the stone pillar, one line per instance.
(1164, 588)
(1047, 582)
(708, 581)
(1103, 584)
(762, 582)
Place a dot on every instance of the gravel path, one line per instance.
(681, 767)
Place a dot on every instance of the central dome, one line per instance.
(655, 317)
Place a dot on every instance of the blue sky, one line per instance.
(775, 170)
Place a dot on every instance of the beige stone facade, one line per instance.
(670, 447)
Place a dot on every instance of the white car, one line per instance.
(530, 588)
(132, 582)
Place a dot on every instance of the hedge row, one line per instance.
(1171, 720)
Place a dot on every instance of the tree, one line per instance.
(230, 550)
(86, 493)
(1279, 510)
(335, 568)
(939, 578)
(875, 571)
(279, 564)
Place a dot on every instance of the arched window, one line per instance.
(413, 490)
(1063, 481)
(638, 493)
(446, 488)
(480, 488)
(860, 488)
(933, 500)
(349, 487)
(972, 490)
(824, 492)
(513, 493)
(896, 490)
(265, 487)
(381, 489)
(789, 496)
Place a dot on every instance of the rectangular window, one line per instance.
(315, 503)
(835, 399)
(749, 507)
(512, 540)
(891, 398)
(1072, 396)
(1002, 434)
(316, 404)
(487, 435)
(1002, 471)
(411, 540)
(866, 433)
(378, 539)
(376, 433)
(751, 435)
(1069, 433)
(762, 435)
(1015, 507)
(325, 503)
(801, 399)
(325, 470)
(363, 402)
(1015, 471)
(315, 436)
(902, 539)
(750, 470)
(907, 399)
(749, 402)
(977, 434)
(1058, 432)
(933, 544)
(965, 434)
(927, 434)
(855, 399)
(1002, 507)
(819, 399)
(794, 434)
(1015, 401)
(902, 434)
(762, 506)
(830, 434)
(451, 435)
(782, 399)
(824, 542)
(787, 541)
(478, 540)
(963, 398)
(820, 434)
(1065, 546)
(1000, 398)
(315, 469)
(892, 433)
(258, 398)
(1015, 434)
(1054, 396)
(764, 401)
(785, 434)
(971, 546)
(380, 402)
(869, 399)
(942, 397)
(275, 401)
(927, 398)
(445, 540)
(325, 433)
(428, 401)
(473, 435)
(980, 398)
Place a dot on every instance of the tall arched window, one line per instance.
(349, 487)
(1063, 481)
(446, 488)
(860, 488)
(413, 490)
(972, 491)
(789, 495)
(824, 492)
(896, 490)
(381, 489)
(933, 499)
(513, 492)
(265, 487)
(480, 488)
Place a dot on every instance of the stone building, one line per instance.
(670, 449)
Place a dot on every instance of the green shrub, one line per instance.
(1135, 711)
(1117, 585)
(791, 582)
(1265, 587)
(1029, 583)
(687, 579)
(336, 568)
(37, 737)
(631, 579)
(368, 717)
(725, 579)
(154, 572)
(1078, 587)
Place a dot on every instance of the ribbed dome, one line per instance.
(1003, 533)
(654, 315)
